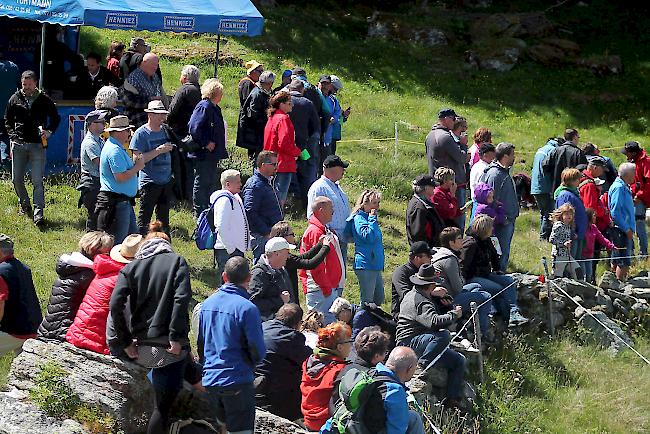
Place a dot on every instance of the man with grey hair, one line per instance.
(20, 313)
(184, 100)
(141, 87)
(621, 207)
(253, 116)
(230, 221)
(323, 284)
(497, 176)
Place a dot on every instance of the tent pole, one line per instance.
(42, 65)
(216, 57)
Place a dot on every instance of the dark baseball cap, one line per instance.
(424, 181)
(420, 247)
(446, 113)
(299, 71)
(596, 160)
(6, 242)
(96, 116)
(334, 161)
(325, 79)
(631, 146)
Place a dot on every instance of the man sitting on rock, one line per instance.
(422, 327)
(20, 313)
(277, 382)
(419, 254)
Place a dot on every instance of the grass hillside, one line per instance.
(533, 384)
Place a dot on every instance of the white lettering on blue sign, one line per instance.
(178, 23)
(119, 19)
(39, 3)
(233, 26)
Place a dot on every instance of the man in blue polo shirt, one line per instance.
(155, 181)
(118, 182)
(231, 344)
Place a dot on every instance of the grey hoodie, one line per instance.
(446, 263)
(498, 177)
(443, 151)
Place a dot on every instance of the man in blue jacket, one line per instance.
(621, 206)
(231, 344)
(261, 202)
(497, 176)
(540, 188)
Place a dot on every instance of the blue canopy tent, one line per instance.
(232, 17)
(220, 17)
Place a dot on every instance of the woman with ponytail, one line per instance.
(280, 137)
(320, 372)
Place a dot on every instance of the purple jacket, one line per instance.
(494, 209)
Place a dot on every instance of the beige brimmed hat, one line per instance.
(156, 106)
(119, 123)
(126, 251)
(251, 65)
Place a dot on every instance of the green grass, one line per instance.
(535, 384)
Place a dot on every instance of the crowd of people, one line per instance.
(127, 293)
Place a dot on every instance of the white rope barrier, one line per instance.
(608, 258)
(601, 323)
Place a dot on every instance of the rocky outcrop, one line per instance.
(118, 389)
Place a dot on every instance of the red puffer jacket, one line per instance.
(280, 137)
(89, 328)
(319, 375)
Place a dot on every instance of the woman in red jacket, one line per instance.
(444, 196)
(320, 372)
(280, 137)
(89, 328)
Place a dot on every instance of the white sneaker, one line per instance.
(516, 318)
(466, 345)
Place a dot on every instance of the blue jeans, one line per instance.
(221, 256)
(307, 172)
(545, 204)
(24, 155)
(641, 231)
(371, 286)
(624, 262)
(258, 242)
(282, 183)
(472, 292)
(234, 406)
(427, 346)
(495, 283)
(205, 183)
(504, 234)
(576, 248)
(461, 194)
(167, 382)
(317, 301)
(124, 222)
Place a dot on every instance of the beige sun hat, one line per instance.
(119, 123)
(156, 106)
(126, 251)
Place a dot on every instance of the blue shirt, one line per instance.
(91, 148)
(541, 182)
(112, 160)
(621, 205)
(230, 328)
(157, 170)
(332, 190)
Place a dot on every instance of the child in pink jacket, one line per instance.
(592, 235)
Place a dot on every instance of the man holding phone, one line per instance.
(151, 143)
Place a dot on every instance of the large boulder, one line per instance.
(18, 415)
(119, 389)
(612, 339)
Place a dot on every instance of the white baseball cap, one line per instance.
(276, 244)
